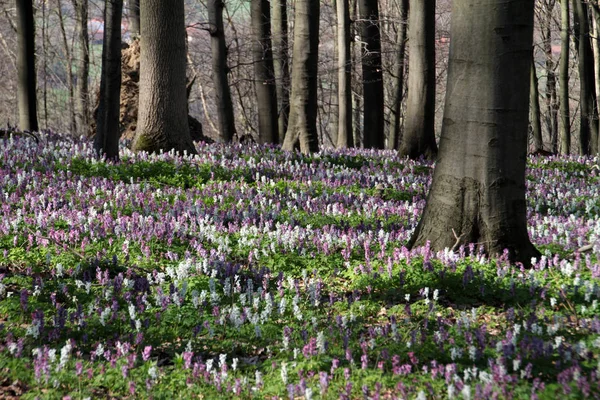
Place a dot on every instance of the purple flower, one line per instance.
(146, 353)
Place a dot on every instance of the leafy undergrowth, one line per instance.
(255, 273)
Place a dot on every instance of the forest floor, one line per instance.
(248, 272)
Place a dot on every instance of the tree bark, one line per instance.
(551, 94)
(478, 189)
(264, 74)
(373, 130)
(588, 127)
(418, 139)
(302, 126)
(220, 71)
(134, 18)
(26, 85)
(69, 69)
(281, 63)
(344, 134)
(396, 116)
(163, 123)
(534, 104)
(82, 104)
(106, 141)
(596, 48)
(563, 78)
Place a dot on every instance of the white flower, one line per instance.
(284, 373)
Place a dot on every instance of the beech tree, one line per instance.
(281, 63)
(82, 103)
(344, 135)
(418, 139)
(399, 72)
(163, 110)
(478, 189)
(26, 84)
(563, 78)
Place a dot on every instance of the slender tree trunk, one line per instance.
(45, 64)
(83, 67)
(302, 126)
(478, 189)
(69, 70)
(220, 71)
(264, 74)
(357, 87)
(588, 128)
(344, 135)
(373, 133)
(394, 140)
(596, 48)
(565, 119)
(134, 18)
(534, 104)
(26, 85)
(281, 63)
(163, 113)
(419, 129)
(106, 141)
(551, 94)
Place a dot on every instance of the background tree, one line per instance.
(534, 105)
(82, 63)
(134, 17)
(106, 141)
(162, 119)
(565, 119)
(419, 130)
(302, 126)
(281, 63)
(398, 77)
(220, 71)
(264, 74)
(372, 72)
(478, 189)
(27, 87)
(344, 134)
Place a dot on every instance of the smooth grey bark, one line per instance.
(373, 120)
(551, 92)
(563, 78)
(596, 47)
(163, 109)
(134, 18)
(106, 141)
(535, 114)
(279, 20)
(344, 135)
(264, 73)
(26, 84)
(226, 120)
(302, 125)
(399, 72)
(82, 63)
(478, 189)
(418, 139)
(588, 127)
(69, 68)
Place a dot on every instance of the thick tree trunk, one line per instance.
(344, 134)
(596, 48)
(588, 128)
(220, 71)
(281, 63)
(106, 141)
(82, 104)
(535, 115)
(396, 116)
(302, 126)
(478, 189)
(69, 70)
(373, 130)
(264, 74)
(163, 121)
(26, 85)
(565, 119)
(134, 18)
(418, 139)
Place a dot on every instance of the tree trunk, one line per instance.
(478, 189)
(281, 63)
(394, 140)
(220, 71)
(373, 130)
(588, 128)
(82, 104)
(106, 141)
(344, 134)
(69, 70)
(534, 104)
(134, 18)
(302, 126)
(26, 85)
(563, 78)
(418, 139)
(551, 95)
(163, 121)
(596, 48)
(264, 74)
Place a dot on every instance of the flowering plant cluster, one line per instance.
(248, 272)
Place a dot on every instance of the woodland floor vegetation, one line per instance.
(249, 272)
